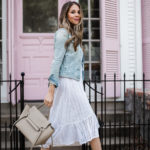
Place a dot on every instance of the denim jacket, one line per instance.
(66, 62)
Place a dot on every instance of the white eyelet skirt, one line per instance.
(71, 115)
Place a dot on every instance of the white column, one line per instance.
(130, 40)
(4, 52)
(139, 61)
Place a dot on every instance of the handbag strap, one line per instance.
(40, 106)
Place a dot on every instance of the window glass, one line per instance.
(85, 29)
(95, 8)
(86, 72)
(91, 38)
(84, 4)
(0, 29)
(86, 51)
(40, 16)
(0, 50)
(0, 8)
(95, 51)
(96, 72)
(95, 29)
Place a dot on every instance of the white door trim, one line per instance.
(4, 52)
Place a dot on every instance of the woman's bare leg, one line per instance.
(96, 144)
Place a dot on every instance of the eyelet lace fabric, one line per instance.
(71, 115)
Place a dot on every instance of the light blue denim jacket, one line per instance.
(66, 62)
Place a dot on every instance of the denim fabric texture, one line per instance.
(66, 62)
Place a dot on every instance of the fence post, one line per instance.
(22, 139)
(0, 112)
(10, 110)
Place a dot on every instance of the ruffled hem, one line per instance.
(77, 132)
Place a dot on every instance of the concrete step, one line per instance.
(114, 131)
(104, 116)
(110, 115)
(119, 143)
(101, 113)
(105, 131)
(75, 146)
(28, 145)
(108, 105)
(5, 108)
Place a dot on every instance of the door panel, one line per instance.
(33, 55)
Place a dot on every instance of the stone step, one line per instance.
(75, 146)
(105, 116)
(109, 105)
(125, 131)
(28, 145)
(105, 131)
(111, 116)
(117, 143)
(5, 108)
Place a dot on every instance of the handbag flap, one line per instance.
(37, 118)
(25, 111)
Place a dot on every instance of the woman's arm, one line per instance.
(61, 36)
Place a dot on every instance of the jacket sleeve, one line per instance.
(60, 38)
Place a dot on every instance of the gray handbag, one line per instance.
(34, 125)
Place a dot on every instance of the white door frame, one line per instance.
(4, 52)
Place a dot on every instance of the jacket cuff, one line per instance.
(52, 80)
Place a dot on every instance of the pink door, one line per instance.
(34, 48)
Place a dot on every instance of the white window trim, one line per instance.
(4, 52)
(89, 40)
(89, 62)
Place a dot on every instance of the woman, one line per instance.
(71, 114)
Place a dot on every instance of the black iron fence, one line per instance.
(124, 119)
(9, 112)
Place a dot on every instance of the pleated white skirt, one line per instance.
(71, 115)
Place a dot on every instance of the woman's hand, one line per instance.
(48, 100)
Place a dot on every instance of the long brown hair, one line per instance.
(75, 30)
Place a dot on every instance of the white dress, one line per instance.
(71, 114)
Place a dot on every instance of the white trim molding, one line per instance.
(131, 41)
(4, 51)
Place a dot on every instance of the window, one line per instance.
(40, 16)
(91, 38)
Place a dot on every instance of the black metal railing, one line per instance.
(124, 119)
(9, 112)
